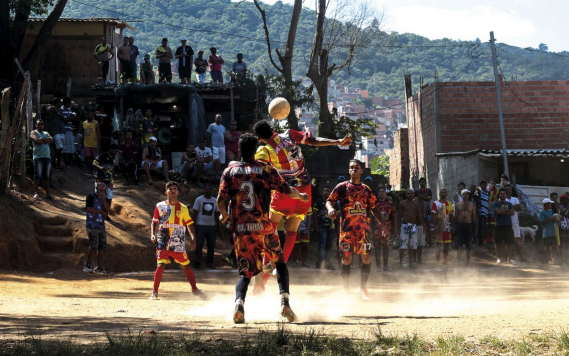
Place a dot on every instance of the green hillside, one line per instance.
(237, 27)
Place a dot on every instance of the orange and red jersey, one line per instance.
(355, 202)
(386, 212)
(283, 153)
(172, 222)
(249, 185)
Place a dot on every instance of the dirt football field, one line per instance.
(509, 302)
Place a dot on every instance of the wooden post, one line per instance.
(38, 112)
(4, 139)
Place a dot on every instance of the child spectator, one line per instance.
(547, 220)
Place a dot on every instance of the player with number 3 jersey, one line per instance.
(356, 200)
(248, 185)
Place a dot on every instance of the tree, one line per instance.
(12, 36)
(347, 30)
(285, 59)
(543, 47)
(380, 165)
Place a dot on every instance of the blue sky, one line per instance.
(523, 23)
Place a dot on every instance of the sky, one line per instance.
(523, 23)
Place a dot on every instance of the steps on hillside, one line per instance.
(55, 243)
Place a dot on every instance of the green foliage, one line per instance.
(380, 165)
(377, 68)
(357, 128)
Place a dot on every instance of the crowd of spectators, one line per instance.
(128, 53)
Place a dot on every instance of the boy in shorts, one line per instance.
(356, 199)
(443, 213)
(168, 230)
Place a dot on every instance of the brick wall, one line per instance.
(469, 115)
(399, 160)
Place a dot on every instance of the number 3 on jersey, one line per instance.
(247, 187)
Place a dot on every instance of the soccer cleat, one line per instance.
(498, 261)
(199, 293)
(512, 262)
(99, 270)
(365, 295)
(239, 314)
(154, 296)
(88, 268)
(287, 312)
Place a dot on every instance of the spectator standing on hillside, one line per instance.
(215, 66)
(105, 164)
(127, 158)
(457, 197)
(188, 162)
(168, 232)
(324, 230)
(216, 137)
(152, 160)
(146, 71)
(106, 125)
(59, 114)
(103, 54)
(123, 53)
(42, 158)
(185, 56)
(91, 140)
(205, 213)
(465, 217)
(164, 55)
(239, 70)
(201, 67)
(231, 139)
(147, 128)
(69, 145)
(515, 221)
(547, 220)
(97, 211)
(133, 55)
(503, 210)
(423, 184)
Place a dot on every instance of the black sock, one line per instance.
(365, 274)
(346, 275)
(282, 277)
(241, 288)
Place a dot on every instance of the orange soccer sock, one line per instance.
(191, 278)
(157, 278)
(289, 244)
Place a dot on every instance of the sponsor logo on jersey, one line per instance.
(249, 227)
(358, 209)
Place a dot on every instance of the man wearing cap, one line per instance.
(201, 67)
(547, 219)
(515, 220)
(465, 218)
(205, 160)
(185, 56)
(164, 54)
(152, 159)
(503, 232)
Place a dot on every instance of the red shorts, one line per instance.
(163, 256)
(284, 205)
(355, 245)
(444, 237)
(302, 238)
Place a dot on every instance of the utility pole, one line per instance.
(497, 80)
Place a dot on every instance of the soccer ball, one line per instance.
(557, 217)
(279, 108)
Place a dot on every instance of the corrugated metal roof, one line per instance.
(86, 19)
(512, 153)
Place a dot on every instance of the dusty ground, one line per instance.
(507, 302)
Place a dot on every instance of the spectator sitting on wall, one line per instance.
(215, 66)
(146, 71)
(127, 158)
(123, 53)
(232, 142)
(152, 160)
(201, 67)
(205, 161)
(185, 56)
(239, 70)
(147, 127)
(133, 54)
(164, 54)
(188, 162)
(103, 54)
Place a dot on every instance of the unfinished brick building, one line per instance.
(454, 132)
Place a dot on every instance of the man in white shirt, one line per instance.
(515, 221)
(205, 160)
(205, 213)
(216, 140)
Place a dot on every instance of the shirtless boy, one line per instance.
(464, 218)
(410, 214)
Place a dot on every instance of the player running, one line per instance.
(248, 184)
(168, 230)
(282, 152)
(356, 199)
